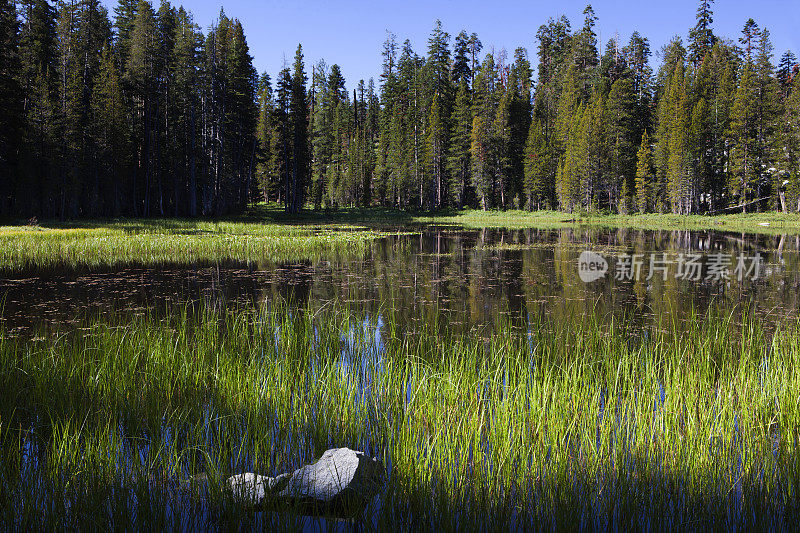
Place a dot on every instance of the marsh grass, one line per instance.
(266, 235)
(778, 223)
(580, 424)
(153, 242)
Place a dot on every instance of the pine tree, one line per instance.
(437, 140)
(644, 174)
(37, 44)
(585, 57)
(749, 38)
(679, 185)
(435, 148)
(475, 47)
(769, 112)
(461, 70)
(298, 119)
(266, 108)
(37, 47)
(744, 137)
(793, 143)
(574, 187)
(458, 159)
(520, 115)
(386, 116)
(11, 108)
(321, 145)
(83, 31)
(185, 97)
(701, 38)
(483, 137)
(537, 162)
(670, 84)
(621, 146)
(108, 127)
(124, 21)
(282, 143)
(637, 56)
(500, 148)
(140, 75)
(242, 117)
(786, 68)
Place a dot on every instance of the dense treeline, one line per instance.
(144, 115)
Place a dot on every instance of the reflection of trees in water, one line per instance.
(455, 278)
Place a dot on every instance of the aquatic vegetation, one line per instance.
(771, 223)
(574, 423)
(151, 242)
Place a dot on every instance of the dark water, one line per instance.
(461, 277)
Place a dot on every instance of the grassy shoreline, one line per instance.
(577, 424)
(746, 223)
(266, 234)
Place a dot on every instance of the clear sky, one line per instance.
(351, 32)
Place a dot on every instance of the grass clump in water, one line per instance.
(154, 242)
(572, 425)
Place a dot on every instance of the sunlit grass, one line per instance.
(266, 234)
(767, 223)
(575, 424)
(152, 242)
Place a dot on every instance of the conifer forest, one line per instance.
(139, 113)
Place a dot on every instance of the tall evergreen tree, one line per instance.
(644, 174)
(744, 137)
(108, 115)
(769, 113)
(458, 158)
(141, 70)
(701, 37)
(537, 161)
(298, 120)
(11, 105)
(680, 186)
(786, 68)
(124, 22)
(620, 134)
(267, 181)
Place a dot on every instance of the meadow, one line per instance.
(580, 423)
(163, 241)
(770, 223)
(266, 234)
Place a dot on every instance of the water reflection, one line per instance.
(462, 278)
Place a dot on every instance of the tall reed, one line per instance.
(573, 424)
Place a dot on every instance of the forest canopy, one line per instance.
(140, 113)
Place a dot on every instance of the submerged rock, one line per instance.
(340, 483)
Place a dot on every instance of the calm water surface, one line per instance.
(461, 277)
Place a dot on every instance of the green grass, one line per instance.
(174, 241)
(779, 223)
(266, 235)
(579, 424)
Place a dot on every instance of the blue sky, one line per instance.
(351, 32)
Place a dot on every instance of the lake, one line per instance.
(467, 277)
